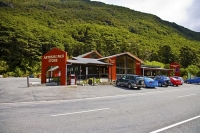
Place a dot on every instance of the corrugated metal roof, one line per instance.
(79, 60)
(83, 61)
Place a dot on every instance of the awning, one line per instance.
(83, 61)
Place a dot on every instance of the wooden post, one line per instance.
(28, 84)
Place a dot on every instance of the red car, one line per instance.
(175, 81)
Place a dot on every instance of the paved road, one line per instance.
(98, 109)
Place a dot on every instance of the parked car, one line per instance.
(193, 80)
(131, 81)
(162, 80)
(149, 82)
(182, 81)
(175, 81)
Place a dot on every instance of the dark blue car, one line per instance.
(195, 80)
(162, 80)
(130, 81)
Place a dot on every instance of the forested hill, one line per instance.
(30, 28)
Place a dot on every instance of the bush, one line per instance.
(56, 79)
(18, 72)
(84, 82)
(193, 69)
(183, 72)
(5, 75)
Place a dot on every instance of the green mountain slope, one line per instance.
(30, 28)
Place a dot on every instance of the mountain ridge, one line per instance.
(33, 27)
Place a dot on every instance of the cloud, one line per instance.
(178, 11)
(193, 13)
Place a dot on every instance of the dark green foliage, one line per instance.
(30, 28)
(183, 72)
(166, 55)
(188, 56)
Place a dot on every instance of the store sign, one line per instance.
(53, 58)
(174, 66)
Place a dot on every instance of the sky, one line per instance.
(182, 12)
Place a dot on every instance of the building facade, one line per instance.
(94, 65)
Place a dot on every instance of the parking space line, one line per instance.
(81, 112)
(186, 95)
(176, 124)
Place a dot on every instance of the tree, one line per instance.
(183, 72)
(187, 56)
(193, 69)
(166, 54)
(3, 66)
(155, 63)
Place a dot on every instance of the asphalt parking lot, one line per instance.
(102, 108)
(16, 90)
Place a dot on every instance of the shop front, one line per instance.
(124, 63)
(94, 65)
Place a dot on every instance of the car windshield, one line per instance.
(157, 77)
(175, 78)
(166, 78)
(149, 79)
(138, 77)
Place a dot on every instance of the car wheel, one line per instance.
(166, 85)
(159, 84)
(118, 83)
(145, 86)
(129, 86)
(138, 88)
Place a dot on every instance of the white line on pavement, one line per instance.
(176, 124)
(103, 97)
(81, 112)
(187, 95)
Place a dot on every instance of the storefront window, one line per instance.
(120, 65)
(125, 65)
(120, 71)
(120, 62)
(130, 65)
(92, 70)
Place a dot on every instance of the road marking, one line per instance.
(91, 98)
(81, 112)
(187, 95)
(176, 124)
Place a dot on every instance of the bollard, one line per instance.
(28, 85)
(93, 81)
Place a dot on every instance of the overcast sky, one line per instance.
(183, 12)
